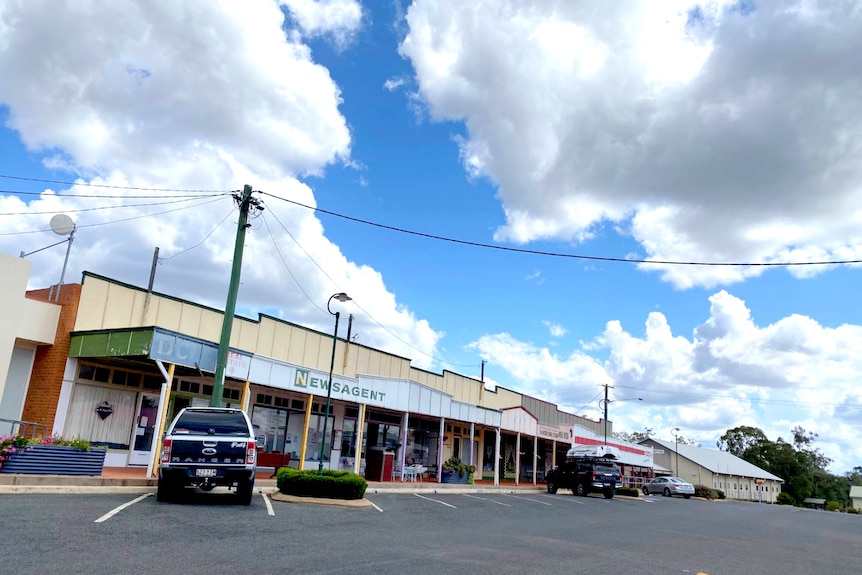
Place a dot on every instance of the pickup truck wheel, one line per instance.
(581, 490)
(608, 493)
(244, 491)
(552, 487)
(166, 491)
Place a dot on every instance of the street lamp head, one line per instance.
(340, 296)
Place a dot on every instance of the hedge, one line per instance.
(331, 484)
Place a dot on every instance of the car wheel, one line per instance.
(165, 491)
(552, 487)
(645, 490)
(687, 496)
(581, 490)
(666, 492)
(244, 491)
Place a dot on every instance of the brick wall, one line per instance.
(43, 393)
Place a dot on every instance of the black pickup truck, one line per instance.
(205, 447)
(584, 475)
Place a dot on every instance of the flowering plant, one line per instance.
(10, 444)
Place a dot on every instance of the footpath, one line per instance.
(134, 480)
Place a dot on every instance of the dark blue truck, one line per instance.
(205, 447)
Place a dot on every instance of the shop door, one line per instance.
(145, 429)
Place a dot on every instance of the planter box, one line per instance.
(454, 477)
(54, 460)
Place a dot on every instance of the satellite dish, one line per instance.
(62, 225)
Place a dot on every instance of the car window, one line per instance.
(212, 423)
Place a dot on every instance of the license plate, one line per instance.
(205, 472)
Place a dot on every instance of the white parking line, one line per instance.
(648, 500)
(269, 509)
(528, 499)
(571, 500)
(435, 501)
(116, 510)
(486, 499)
(374, 505)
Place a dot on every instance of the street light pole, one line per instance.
(675, 432)
(342, 297)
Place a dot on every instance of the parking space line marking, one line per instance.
(374, 505)
(572, 500)
(116, 510)
(486, 499)
(645, 500)
(435, 500)
(269, 509)
(528, 499)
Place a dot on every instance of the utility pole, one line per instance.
(245, 202)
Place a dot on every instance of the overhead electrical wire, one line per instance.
(284, 262)
(752, 399)
(81, 226)
(206, 237)
(559, 254)
(109, 186)
(371, 317)
(114, 196)
(175, 201)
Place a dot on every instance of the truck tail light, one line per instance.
(166, 450)
(250, 452)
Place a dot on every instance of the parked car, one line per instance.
(669, 486)
(206, 447)
(584, 475)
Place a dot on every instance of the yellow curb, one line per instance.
(279, 496)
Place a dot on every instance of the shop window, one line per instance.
(264, 399)
(153, 382)
(190, 386)
(281, 402)
(348, 438)
(232, 394)
(456, 447)
(86, 372)
(85, 422)
(208, 390)
(349, 412)
(102, 375)
(300, 405)
(120, 377)
(269, 427)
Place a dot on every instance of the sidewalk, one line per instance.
(134, 480)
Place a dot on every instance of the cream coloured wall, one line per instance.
(21, 319)
(500, 399)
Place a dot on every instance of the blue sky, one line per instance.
(622, 131)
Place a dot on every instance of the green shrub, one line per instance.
(629, 491)
(785, 499)
(852, 510)
(455, 464)
(331, 484)
(720, 494)
(834, 506)
(705, 492)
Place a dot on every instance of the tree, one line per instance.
(741, 439)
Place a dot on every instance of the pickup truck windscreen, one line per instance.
(211, 423)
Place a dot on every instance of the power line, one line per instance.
(186, 199)
(90, 184)
(564, 255)
(752, 399)
(80, 226)
(206, 237)
(371, 317)
(108, 196)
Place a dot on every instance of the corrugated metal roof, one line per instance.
(717, 461)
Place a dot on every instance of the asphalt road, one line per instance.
(431, 534)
